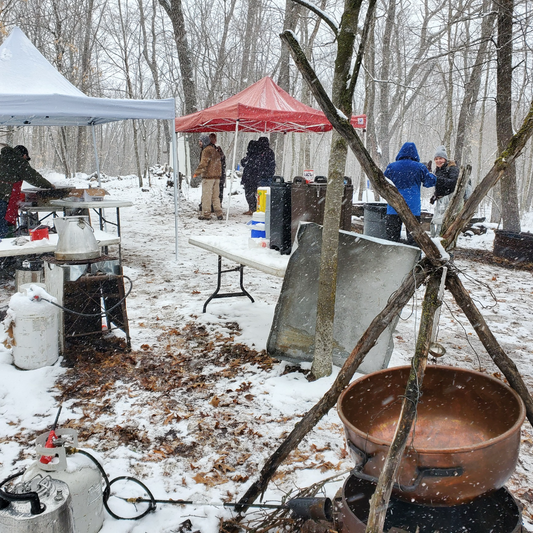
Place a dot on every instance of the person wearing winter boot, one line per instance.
(210, 168)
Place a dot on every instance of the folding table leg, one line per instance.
(217, 294)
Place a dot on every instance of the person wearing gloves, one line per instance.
(14, 169)
(408, 175)
(210, 168)
(447, 173)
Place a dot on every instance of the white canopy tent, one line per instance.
(34, 93)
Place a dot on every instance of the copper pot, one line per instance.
(465, 440)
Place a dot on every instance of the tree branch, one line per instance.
(311, 418)
(320, 14)
(345, 129)
(500, 358)
(381, 497)
(364, 37)
(511, 152)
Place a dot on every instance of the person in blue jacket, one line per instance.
(408, 175)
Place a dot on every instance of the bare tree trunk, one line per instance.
(504, 126)
(222, 56)
(290, 21)
(253, 6)
(129, 89)
(150, 56)
(342, 95)
(473, 84)
(81, 150)
(384, 89)
(506, 158)
(174, 11)
(63, 150)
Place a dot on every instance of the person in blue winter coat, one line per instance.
(408, 175)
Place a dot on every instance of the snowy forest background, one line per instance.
(430, 75)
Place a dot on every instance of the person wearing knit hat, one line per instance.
(441, 153)
(447, 173)
(210, 168)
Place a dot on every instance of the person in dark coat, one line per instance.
(259, 168)
(266, 163)
(408, 175)
(15, 168)
(249, 176)
(447, 173)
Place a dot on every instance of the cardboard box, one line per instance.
(88, 195)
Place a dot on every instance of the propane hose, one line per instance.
(313, 508)
(39, 298)
(107, 491)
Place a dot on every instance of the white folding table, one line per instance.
(237, 249)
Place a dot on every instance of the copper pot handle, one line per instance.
(421, 471)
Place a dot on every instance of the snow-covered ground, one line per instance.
(196, 408)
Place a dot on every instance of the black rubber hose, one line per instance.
(107, 490)
(35, 503)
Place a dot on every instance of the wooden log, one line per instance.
(456, 202)
(381, 497)
(311, 418)
(496, 352)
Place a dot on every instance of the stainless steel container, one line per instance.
(40, 505)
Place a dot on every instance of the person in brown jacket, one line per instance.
(210, 168)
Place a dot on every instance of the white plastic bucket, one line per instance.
(35, 329)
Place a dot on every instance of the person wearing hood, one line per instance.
(249, 179)
(408, 175)
(447, 173)
(259, 168)
(210, 168)
(14, 169)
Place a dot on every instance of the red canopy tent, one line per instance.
(262, 107)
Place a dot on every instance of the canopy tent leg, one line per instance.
(96, 157)
(232, 167)
(175, 173)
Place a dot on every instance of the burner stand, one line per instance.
(94, 290)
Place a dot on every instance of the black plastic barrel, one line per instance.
(375, 222)
(308, 202)
(280, 215)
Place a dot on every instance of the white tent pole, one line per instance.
(96, 157)
(232, 167)
(175, 172)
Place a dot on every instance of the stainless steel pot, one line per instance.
(37, 506)
(76, 239)
(465, 440)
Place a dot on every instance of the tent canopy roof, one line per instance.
(262, 107)
(33, 92)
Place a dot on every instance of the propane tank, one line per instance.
(79, 473)
(35, 328)
(39, 505)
